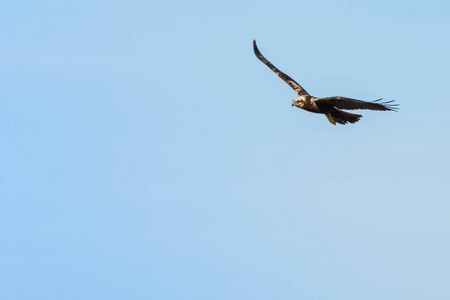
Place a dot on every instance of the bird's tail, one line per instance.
(342, 117)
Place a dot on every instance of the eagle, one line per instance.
(331, 107)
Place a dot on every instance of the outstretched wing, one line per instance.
(348, 103)
(292, 83)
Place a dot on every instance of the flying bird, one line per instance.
(331, 107)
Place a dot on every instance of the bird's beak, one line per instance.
(292, 104)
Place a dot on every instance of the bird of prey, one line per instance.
(331, 107)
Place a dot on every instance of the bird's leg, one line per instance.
(330, 118)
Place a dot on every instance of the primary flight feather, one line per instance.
(329, 106)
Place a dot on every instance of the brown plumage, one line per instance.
(329, 106)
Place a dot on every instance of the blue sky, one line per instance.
(147, 154)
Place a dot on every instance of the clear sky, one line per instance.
(146, 153)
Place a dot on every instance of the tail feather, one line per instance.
(342, 117)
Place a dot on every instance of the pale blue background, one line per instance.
(147, 154)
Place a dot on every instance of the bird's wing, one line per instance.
(292, 83)
(348, 103)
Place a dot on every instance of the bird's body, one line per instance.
(331, 107)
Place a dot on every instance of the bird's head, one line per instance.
(299, 102)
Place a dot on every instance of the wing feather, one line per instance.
(349, 103)
(291, 82)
